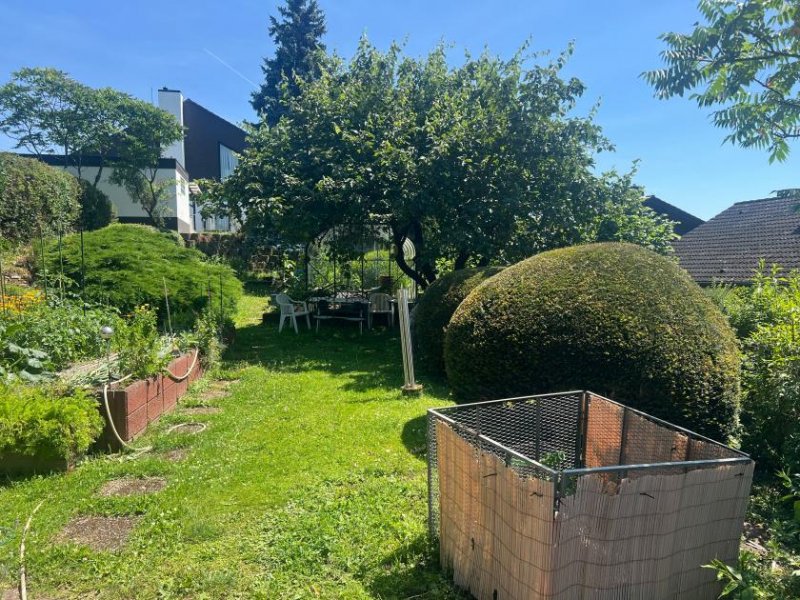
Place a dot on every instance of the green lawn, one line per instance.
(309, 483)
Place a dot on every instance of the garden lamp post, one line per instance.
(107, 332)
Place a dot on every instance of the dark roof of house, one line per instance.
(729, 247)
(684, 221)
(59, 160)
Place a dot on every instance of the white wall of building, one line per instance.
(172, 102)
(177, 191)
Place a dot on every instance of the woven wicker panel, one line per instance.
(603, 432)
(650, 538)
(700, 450)
(502, 540)
(644, 441)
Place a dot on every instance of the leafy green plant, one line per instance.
(741, 582)
(66, 331)
(19, 362)
(46, 422)
(141, 350)
(767, 318)
(554, 460)
(128, 265)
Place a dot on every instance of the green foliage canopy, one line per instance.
(745, 59)
(614, 318)
(127, 266)
(33, 197)
(480, 163)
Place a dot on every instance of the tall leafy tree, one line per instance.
(479, 163)
(46, 111)
(298, 54)
(744, 60)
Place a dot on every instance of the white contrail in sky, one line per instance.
(250, 81)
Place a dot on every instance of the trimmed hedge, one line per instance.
(36, 422)
(434, 309)
(613, 318)
(34, 195)
(126, 266)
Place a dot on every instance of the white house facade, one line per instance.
(208, 150)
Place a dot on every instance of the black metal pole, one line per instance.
(61, 260)
(83, 275)
(221, 311)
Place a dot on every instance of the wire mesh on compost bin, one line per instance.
(558, 495)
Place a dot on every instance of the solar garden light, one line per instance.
(107, 332)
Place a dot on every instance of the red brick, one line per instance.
(136, 396)
(154, 409)
(135, 424)
(170, 394)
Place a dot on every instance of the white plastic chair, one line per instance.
(381, 304)
(291, 309)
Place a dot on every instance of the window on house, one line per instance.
(227, 161)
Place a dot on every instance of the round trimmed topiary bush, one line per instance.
(434, 309)
(613, 318)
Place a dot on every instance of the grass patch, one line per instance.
(309, 483)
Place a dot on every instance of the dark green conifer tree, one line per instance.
(298, 53)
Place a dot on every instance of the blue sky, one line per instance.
(143, 45)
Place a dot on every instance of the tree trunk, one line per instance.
(398, 238)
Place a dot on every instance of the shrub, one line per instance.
(34, 195)
(614, 318)
(141, 350)
(96, 209)
(128, 265)
(35, 421)
(434, 309)
(767, 316)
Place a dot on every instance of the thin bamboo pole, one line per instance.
(3, 288)
(44, 263)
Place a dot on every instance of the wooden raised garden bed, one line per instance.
(139, 403)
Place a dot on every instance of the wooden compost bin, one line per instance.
(573, 495)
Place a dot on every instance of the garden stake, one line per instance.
(83, 275)
(2, 288)
(61, 261)
(166, 300)
(23, 587)
(44, 264)
(220, 306)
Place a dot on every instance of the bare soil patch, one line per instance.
(222, 384)
(132, 486)
(176, 455)
(213, 394)
(201, 410)
(99, 533)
